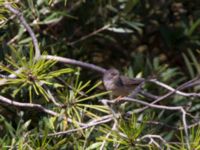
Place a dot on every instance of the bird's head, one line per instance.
(111, 74)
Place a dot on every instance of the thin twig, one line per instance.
(27, 105)
(74, 62)
(107, 136)
(175, 91)
(90, 124)
(144, 103)
(178, 108)
(149, 95)
(27, 27)
(190, 126)
(152, 137)
(91, 34)
(159, 124)
(39, 107)
(190, 83)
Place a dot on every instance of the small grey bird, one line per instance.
(119, 85)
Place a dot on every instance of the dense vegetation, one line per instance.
(47, 103)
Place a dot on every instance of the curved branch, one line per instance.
(27, 27)
(27, 105)
(10, 102)
(74, 62)
(162, 107)
(96, 122)
(175, 91)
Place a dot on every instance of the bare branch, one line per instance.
(27, 105)
(190, 83)
(144, 103)
(10, 102)
(159, 124)
(74, 62)
(149, 95)
(107, 136)
(177, 108)
(90, 124)
(152, 137)
(175, 91)
(27, 27)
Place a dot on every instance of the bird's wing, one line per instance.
(131, 81)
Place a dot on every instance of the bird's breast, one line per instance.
(116, 88)
(109, 85)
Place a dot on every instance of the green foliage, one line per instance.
(79, 106)
(192, 63)
(194, 140)
(32, 75)
(128, 134)
(151, 39)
